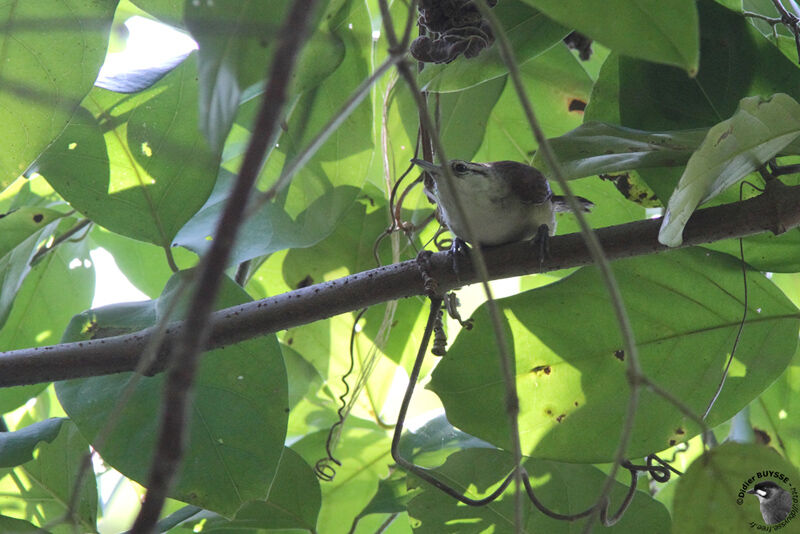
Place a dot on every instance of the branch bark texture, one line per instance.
(777, 210)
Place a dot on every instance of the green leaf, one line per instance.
(363, 450)
(770, 415)
(662, 32)
(22, 231)
(391, 498)
(430, 444)
(17, 447)
(598, 148)
(558, 86)
(530, 32)
(563, 488)
(711, 495)
(685, 309)
(292, 503)
(732, 149)
(235, 45)
(325, 188)
(239, 412)
(282, 508)
(18, 526)
(736, 61)
(465, 115)
(51, 58)
(136, 164)
(167, 12)
(60, 285)
(40, 490)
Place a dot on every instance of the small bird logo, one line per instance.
(775, 502)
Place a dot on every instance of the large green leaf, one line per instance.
(22, 231)
(40, 489)
(239, 412)
(324, 344)
(736, 61)
(564, 488)
(60, 285)
(732, 149)
(530, 32)
(50, 59)
(653, 30)
(136, 164)
(236, 40)
(464, 116)
(685, 308)
(293, 502)
(557, 84)
(598, 148)
(236, 44)
(711, 495)
(323, 189)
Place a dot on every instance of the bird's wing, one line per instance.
(526, 182)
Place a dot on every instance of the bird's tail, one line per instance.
(560, 203)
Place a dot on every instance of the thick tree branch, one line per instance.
(777, 210)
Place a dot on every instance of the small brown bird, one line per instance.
(775, 502)
(505, 201)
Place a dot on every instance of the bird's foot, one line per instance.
(541, 243)
(457, 251)
(430, 283)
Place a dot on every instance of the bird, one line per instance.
(504, 201)
(775, 501)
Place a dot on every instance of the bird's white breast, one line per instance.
(496, 216)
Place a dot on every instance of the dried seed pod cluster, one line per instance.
(454, 27)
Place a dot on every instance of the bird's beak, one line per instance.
(427, 166)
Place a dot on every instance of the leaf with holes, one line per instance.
(571, 367)
(136, 164)
(663, 32)
(732, 149)
(22, 231)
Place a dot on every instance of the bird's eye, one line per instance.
(459, 167)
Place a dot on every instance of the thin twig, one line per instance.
(512, 400)
(790, 20)
(183, 367)
(592, 243)
(83, 223)
(770, 20)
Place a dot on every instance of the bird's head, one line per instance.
(766, 490)
(470, 177)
